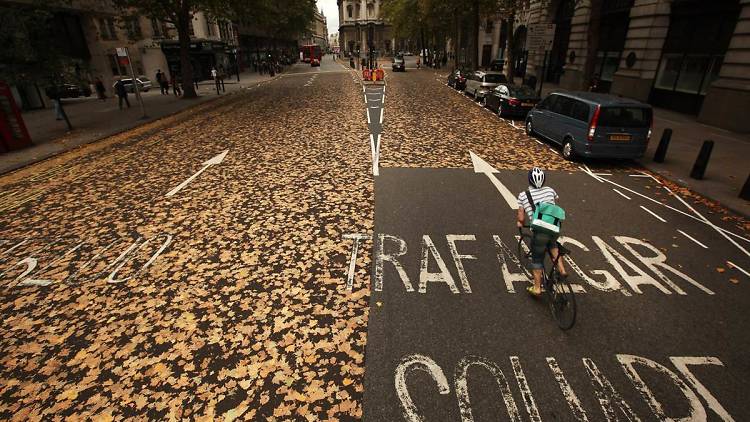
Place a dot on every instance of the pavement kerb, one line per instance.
(136, 124)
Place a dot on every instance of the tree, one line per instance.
(31, 51)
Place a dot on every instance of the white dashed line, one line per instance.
(381, 116)
(733, 265)
(622, 194)
(652, 213)
(693, 239)
(639, 175)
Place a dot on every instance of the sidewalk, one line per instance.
(93, 119)
(727, 169)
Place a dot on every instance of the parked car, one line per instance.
(457, 78)
(398, 64)
(481, 82)
(509, 99)
(68, 91)
(590, 124)
(144, 84)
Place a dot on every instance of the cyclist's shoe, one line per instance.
(534, 292)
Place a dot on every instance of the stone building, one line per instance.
(360, 25)
(692, 56)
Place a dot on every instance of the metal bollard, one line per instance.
(699, 168)
(745, 192)
(661, 150)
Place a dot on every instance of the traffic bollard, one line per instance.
(699, 168)
(661, 150)
(745, 192)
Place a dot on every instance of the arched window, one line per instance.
(349, 11)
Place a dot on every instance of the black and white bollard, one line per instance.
(745, 192)
(661, 150)
(699, 168)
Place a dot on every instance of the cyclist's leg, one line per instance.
(538, 249)
(561, 261)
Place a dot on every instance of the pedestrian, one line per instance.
(160, 80)
(122, 94)
(56, 101)
(175, 86)
(100, 91)
(215, 76)
(445, 59)
(418, 64)
(222, 75)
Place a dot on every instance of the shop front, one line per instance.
(204, 55)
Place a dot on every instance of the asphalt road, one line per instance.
(204, 266)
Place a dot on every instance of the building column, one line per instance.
(573, 77)
(728, 97)
(649, 23)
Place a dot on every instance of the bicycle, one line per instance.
(557, 289)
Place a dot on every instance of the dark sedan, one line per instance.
(457, 79)
(512, 100)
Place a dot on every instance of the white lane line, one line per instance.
(382, 100)
(365, 97)
(621, 194)
(603, 174)
(481, 166)
(374, 107)
(381, 116)
(650, 176)
(512, 123)
(206, 164)
(712, 225)
(654, 214)
(733, 265)
(704, 221)
(639, 175)
(368, 116)
(693, 239)
(538, 141)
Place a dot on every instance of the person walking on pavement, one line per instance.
(100, 91)
(160, 80)
(122, 94)
(222, 75)
(175, 86)
(215, 76)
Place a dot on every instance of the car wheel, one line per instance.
(484, 101)
(568, 152)
(500, 109)
(529, 127)
(475, 95)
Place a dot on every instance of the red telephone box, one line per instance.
(13, 133)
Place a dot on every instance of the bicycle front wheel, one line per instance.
(562, 302)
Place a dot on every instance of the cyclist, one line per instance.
(540, 242)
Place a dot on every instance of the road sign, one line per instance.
(539, 37)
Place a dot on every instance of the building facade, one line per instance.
(691, 56)
(361, 27)
(333, 42)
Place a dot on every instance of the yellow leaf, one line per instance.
(347, 381)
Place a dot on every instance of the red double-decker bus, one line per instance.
(311, 53)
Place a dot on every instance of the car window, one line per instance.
(561, 105)
(494, 79)
(521, 91)
(580, 111)
(625, 117)
(548, 102)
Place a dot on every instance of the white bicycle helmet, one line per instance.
(536, 177)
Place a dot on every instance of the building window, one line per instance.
(156, 28)
(349, 11)
(133, 27)
(107, 29)
(210, 29)
(111, 26)
(489, 26)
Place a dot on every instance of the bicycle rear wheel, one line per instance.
(562, 301)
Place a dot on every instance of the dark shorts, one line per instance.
(540, 242)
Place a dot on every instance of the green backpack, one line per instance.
(546, 218)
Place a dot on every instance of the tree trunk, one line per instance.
(589, 68)
(183, 32)
(474, 42)
(510, 66)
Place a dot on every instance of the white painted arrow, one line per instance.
(216, 160)
(481, 166)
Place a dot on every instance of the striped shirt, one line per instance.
(544, 194)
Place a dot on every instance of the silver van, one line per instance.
(482, 82)
(589, 124)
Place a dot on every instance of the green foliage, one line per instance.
(30, 52)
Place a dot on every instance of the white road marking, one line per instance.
(417, 363)
(621, 194)
(654, 214)
(368, 116)
(206, 164)
(356, 237)
(736, 267)
(603, 174)
(381, 116)
(704, 221)
(693, 239)
(639, 175)
(681, 363)
(373, 106)
(568, 393)
(523, 385)
(481, 166)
